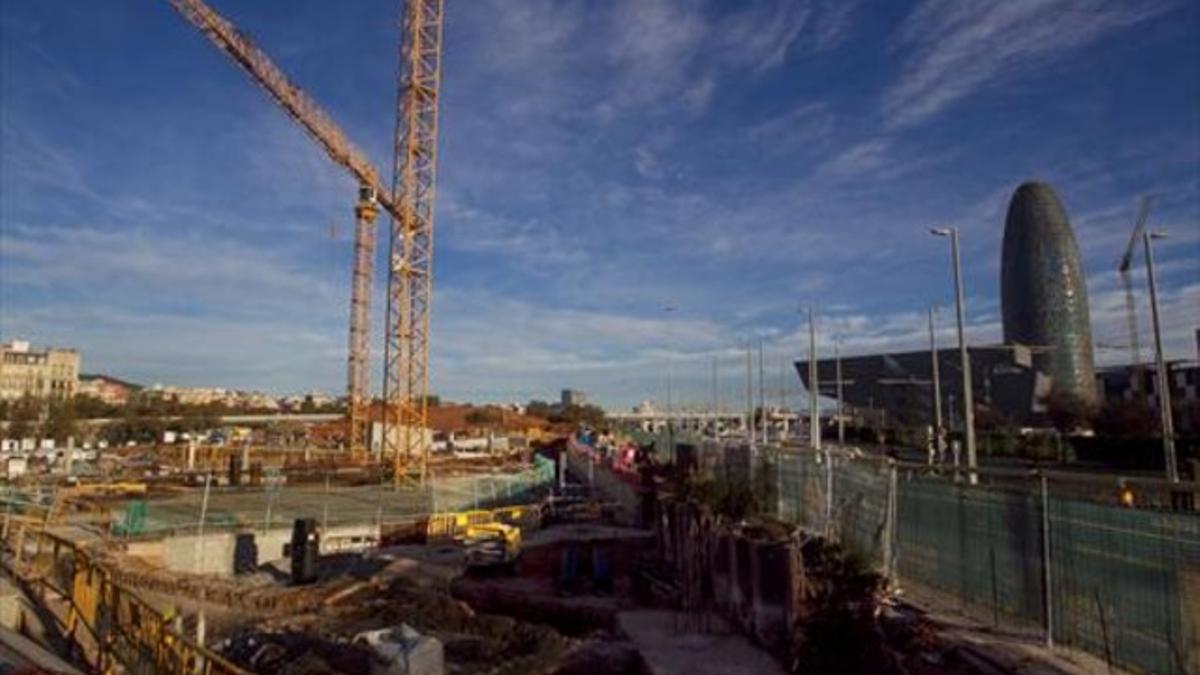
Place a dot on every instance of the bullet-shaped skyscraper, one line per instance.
(1043, 291)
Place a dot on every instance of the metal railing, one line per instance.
(104, 623)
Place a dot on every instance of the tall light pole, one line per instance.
(837, 367)
(938, 433)
(668, 309)
(716, 405)
(814, 389)
(716, 401)
(968, 397)
(1160, 365)
(750, 392)
(762, 394)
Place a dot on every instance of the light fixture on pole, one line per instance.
(968, 398)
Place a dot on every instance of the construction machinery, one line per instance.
(409, 202)
(490, 538)
(1124, 267)
(371, 196)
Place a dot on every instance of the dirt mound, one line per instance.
(474, 643)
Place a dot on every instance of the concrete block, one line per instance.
(211, 554)
(403, 651)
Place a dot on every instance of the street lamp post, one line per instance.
(762, 396)
(670, 405)
(968, 398)
(938, 434)
(750, 425)
(814, 410)
(837, 366)
(1163, 379)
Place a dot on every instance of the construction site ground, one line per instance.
(517, 618)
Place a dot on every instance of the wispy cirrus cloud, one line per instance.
(596, 160)
(953, 49)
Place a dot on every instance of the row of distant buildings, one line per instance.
(52, 372)
(1047, 351)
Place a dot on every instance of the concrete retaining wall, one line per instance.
(227, 553)
(208, 554)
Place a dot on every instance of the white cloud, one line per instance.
(954, 49)
(808, 124)
(646, 163)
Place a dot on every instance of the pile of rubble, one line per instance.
(332, 639)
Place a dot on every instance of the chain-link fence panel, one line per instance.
(1126, 584)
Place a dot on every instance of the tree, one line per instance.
(22, 413)
(1067, 411)
(540, 409)
(60, 420)
(591, 415)
(1126, 419)
(485, 417)
(307, 406)
(90, 407)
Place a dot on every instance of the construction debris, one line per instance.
(403, 651)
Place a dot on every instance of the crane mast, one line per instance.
(410, 278)
(1124, 267)
(372, 194)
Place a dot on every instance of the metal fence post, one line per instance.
(325, 509)
(891, 524)
(1046, 562)
(198, 552)
(779, 498)
(379, 510)
(828, 494)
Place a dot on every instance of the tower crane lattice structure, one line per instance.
(1124, 267)
(410, 278)
(372, 193)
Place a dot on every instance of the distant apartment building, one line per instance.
(41, 373)
(108, 389)
(215, 395)
(573, 397)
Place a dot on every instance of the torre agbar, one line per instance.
(1043, 291)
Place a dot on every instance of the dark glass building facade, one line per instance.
(1043, 294)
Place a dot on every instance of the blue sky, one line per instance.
(599, 161)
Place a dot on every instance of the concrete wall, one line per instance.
(209, 554)
(228, 553)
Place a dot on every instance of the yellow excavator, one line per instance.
(490, 537)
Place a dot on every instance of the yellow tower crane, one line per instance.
(409, 203)
(410, 279)
(1125, 267)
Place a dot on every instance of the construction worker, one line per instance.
(1125, 494)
